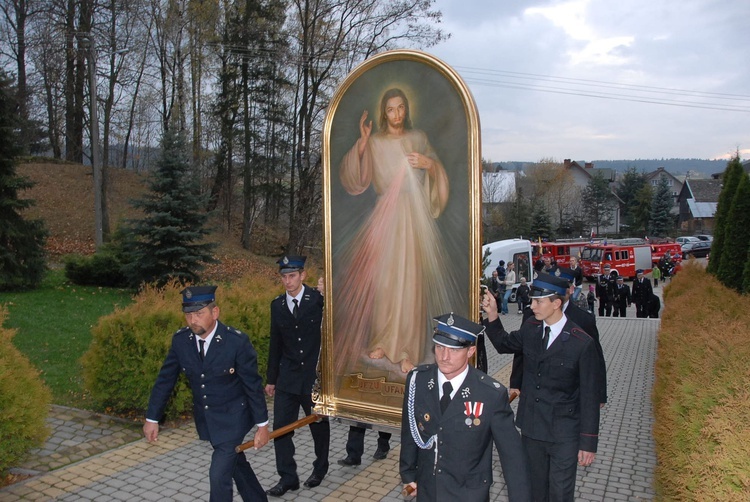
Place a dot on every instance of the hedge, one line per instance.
(129, 345)
(702, 393)
(24, 402)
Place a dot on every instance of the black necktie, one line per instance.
(446, 399)
(545, 338)
(202, 343)
(295, 310)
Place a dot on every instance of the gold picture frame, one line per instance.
(402, 227)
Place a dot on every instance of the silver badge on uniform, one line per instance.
(431, 384)
(231, 371)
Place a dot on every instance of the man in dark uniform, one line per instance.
(642, 292)
(355, 446)
(451, 415)
(621, 297)
(221, 366)
(558, 412)
(296, 318)
(585, 320)
(604, 291)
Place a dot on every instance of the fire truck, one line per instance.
(624, 256)
(659, 249)
(560, 251)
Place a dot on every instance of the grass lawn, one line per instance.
(54, 329)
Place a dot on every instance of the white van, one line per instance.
(516, 251)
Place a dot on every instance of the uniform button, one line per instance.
(204, 397)
(203, 375)
(303, 363)
(538, 387)
(300, 352)
(205, 407)
(299, 339)
(537, 400)
(539, 374)
(203, 386)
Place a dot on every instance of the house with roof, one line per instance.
(581, 176)
(697, 203)
(675, 184)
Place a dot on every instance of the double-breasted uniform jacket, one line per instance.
(642, 291)
(587, 323)
(621, 295)
(295, 343)
(227, 391)
(559, 394)
(477, 415)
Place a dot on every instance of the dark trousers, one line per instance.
(620, 309)
(285, 411)
(226, 465)
(641, 309)
(355, 443)
(605, 306)
(553, 469)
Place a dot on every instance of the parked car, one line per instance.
(683, 240)
(705, 237)
(699, 249)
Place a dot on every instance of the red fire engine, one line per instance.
(624, 256)
(560, 251)
(659, 249)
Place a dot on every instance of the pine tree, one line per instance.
(541, 226)
(597, 202)
(661, 221)
(22, 241)
(630, 186)
(730, 181)
(167, 243)
(746, 275)
(734, 253)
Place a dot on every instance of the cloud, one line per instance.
(599, 79)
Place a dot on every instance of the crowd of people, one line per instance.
(448, 405)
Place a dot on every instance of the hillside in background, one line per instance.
(64, 199)
(676, 167)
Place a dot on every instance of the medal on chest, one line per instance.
(473, 411)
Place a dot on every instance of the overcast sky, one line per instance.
(514, 53)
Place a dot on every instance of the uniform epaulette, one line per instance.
(422, 367)
(491, 382)
(181, 330)
(580, 333)
(282, 294)
(234, 331)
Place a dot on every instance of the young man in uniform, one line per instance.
(452, 414)
(296, 318)
(558, 412)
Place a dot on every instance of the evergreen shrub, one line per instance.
(129, 345)
(701, 395)
(104, 268)
(100, 269)
(24, 402)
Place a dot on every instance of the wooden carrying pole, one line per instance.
(280, 432)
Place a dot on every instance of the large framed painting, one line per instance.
(402, 169)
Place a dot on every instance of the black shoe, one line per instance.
(313, 481)
(280, 489)
(380, 454)
(349, 461)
